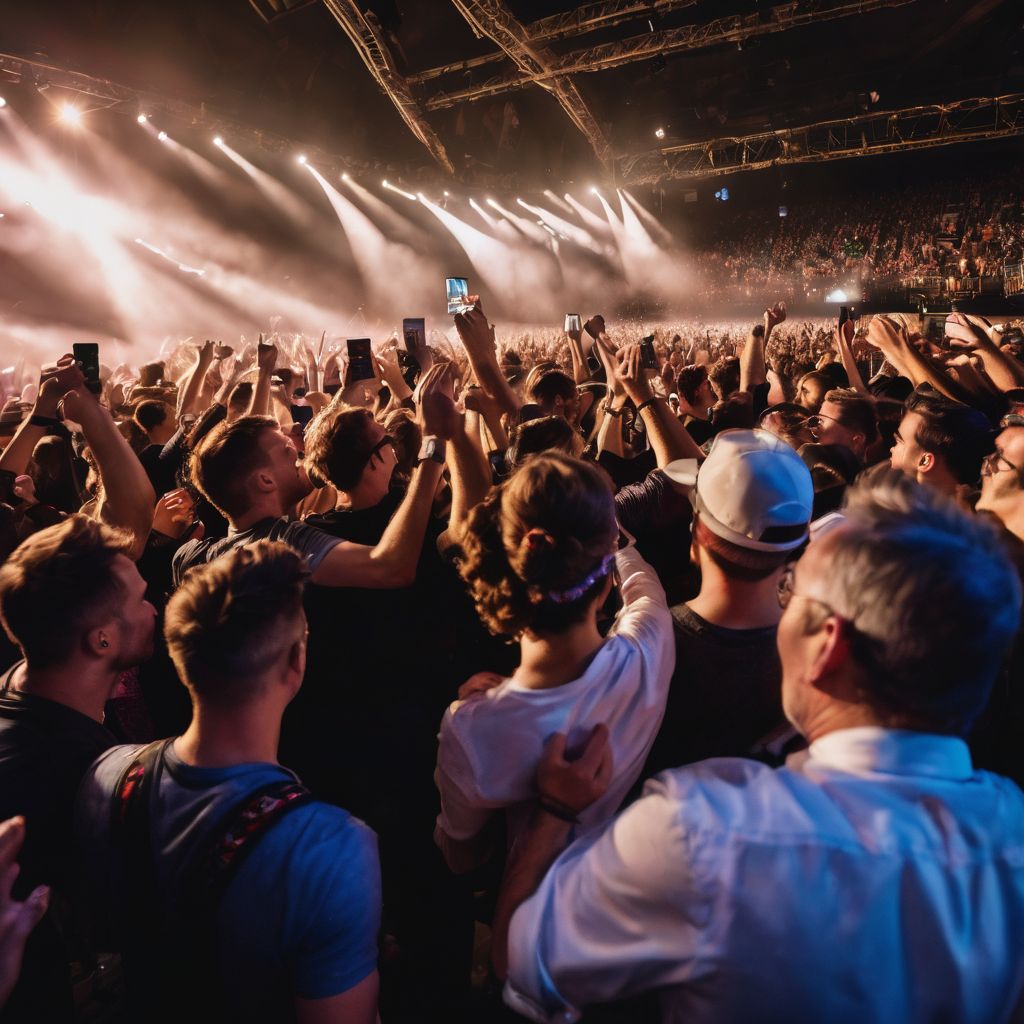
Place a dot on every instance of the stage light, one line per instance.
(162, 136)
(593, 189)
(385, 183)
(3, 102)
(142, 119)
(218, 141)
(446, 195)
(70, 115)
(491, 202)
(659, 133)
(301, 158)
(419, 195)
(344, 176)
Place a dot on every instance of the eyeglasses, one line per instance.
(996, 462)
(386, 440)
(815, 421)
(786, 593)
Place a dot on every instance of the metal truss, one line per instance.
(274, 10)
(365, 32)
(732, 29)
(578, 22)
(892, 131)
(492, 19)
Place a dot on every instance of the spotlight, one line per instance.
(446, 195)
(218, 141)
(491, 202)
(142, 119)
(162, 136)
(659, 133)
(301, 158)
(593, 190)
(3, 102)
(419, 196)
(344, 176)
(70, 115)
(385, 183)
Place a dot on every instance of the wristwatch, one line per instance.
(433, 448)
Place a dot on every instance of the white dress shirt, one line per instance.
(490, 744)
(875, 878)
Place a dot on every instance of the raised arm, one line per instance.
(753, 371)
(266, 361)
(580, 373)
(392, 562)
(1003, 370)
(844, 346)
(478, 340)
(188, 397)
(128, 497)
(669, 438)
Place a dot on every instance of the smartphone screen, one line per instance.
(414, 334)
(573, 322)
(87, 355)
(457, 289)
(360, 360)
(648, 358)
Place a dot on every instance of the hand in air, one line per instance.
(55, 381)
(631, 375)
(774, 316)
(438, 415)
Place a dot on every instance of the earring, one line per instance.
(104, 643)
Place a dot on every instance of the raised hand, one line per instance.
(55, 381)
(595, 325)
(438, 415)
(573, 784)
(474, 329)
(25, 488)
(631, 375)
(222, 351)
(173, 513)
(774, 316)
(266, 356)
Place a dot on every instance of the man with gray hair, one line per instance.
(877, 876)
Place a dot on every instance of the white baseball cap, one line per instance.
(754, 491)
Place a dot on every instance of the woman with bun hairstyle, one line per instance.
(539, 556)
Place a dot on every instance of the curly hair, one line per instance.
(543, 531)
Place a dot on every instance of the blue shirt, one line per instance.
(877, 877)
(299, 918)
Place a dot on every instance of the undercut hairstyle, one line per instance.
(689, 381)
(551, 385)
(221, 464)
(150, 414)
(932, 599)
(963, 436)
(338, 445)
(725, 376)
(545, 530)
(736, 562)
(856, 412)
(233, 617)
(59, 584)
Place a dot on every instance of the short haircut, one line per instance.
(551, 385)
(932, 597)
(224, 459)
(232, 617)
(961, 435)
(736, 562)
(338, 446)
(150, 374)
(725, 375)
(689, 381)
(856, 412)
(546, 433)
(150, 414)
(59, 584)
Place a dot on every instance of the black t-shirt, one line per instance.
(725, 694)
(162, 464)
(45, 750)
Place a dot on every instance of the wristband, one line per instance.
(43, 421)
(612, 412)
(556, 811)
(643, 405)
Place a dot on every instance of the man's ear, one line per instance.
(263, 481)
(97, 642)
(926, 463)
(832, 654)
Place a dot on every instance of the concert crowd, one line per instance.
(588, 673)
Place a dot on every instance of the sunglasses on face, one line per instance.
(386, 440)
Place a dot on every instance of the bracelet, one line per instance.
(43, 421)
(650, 401)
(559, 812)
(609, 411)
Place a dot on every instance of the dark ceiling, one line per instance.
(300, 76)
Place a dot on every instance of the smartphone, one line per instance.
(844, 315)
(360, 360)
(590, 331)
(87, 355)
(302, 414)
(457, 289)
(414, 334)
(648, 357)
(573, 323)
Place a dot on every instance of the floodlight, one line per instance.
(3, 102)
(162, 136)
(659, 133)
(301, 158)
(385, 183)
(218, 141)
(70, 115)
(142, 119)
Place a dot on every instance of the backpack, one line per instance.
(170, 957)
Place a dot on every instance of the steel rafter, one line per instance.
(578, 22)
(492, 19)
(890, 131)
(734, 28)
(364, 31)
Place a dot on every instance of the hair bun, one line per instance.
(537, 539)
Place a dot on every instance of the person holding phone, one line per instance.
(540, 556)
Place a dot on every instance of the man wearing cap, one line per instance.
(878, 876)
(752, 505)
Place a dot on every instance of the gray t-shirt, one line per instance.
(314, 544)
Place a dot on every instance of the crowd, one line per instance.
(518, 675)
(939, 232)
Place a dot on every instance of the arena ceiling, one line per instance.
(528, 93)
